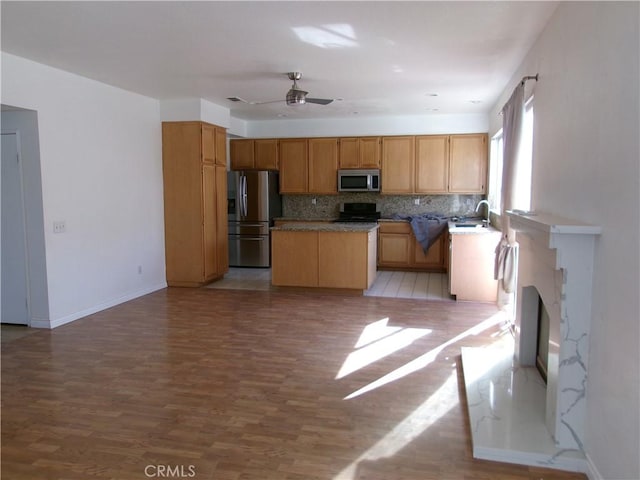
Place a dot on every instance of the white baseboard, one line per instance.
(95, 309)
(591, 470)
(39, 322)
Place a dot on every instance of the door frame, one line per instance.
(23, 209)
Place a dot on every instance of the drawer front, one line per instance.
(395, 227)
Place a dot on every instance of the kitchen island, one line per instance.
(324, 255)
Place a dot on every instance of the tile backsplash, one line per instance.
(328, 206)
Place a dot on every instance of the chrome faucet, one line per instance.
(487, 221)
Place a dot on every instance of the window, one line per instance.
(522, 198)
(495, 172)
(522, 187)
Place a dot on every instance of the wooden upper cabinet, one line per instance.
(241, 153)
(323, 165)
(221, 146)
(398, 165)
(250, 154)
(360, 152)
(293, 165)
(370, 152)
(349, 153)
(432, 164)
(208, 133)
(468, 163)
(266, 154)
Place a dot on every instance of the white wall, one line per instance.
(101, 166)
(586, 167)
(195, 109)
(398, 125)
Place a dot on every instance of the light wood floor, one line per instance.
(396, 284)
(237, 384)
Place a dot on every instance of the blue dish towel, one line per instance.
(426, 227)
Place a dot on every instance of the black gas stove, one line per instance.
(358, 212)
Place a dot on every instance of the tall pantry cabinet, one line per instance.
(195, 202)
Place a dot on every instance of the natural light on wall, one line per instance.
(338, 35)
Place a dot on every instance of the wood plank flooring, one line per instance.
(237, 384)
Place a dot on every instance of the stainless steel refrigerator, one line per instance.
(254, 201)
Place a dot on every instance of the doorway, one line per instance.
(14, 295)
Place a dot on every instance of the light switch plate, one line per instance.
(59, 226)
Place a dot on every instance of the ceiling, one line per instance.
(375, 58)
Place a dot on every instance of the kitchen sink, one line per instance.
(467, 225)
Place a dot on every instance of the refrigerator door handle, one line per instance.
(243, 193)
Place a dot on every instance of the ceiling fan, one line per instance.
(295, 95)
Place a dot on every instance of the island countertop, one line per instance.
(326, 227)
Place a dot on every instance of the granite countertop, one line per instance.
(326, 227)
(306, 219)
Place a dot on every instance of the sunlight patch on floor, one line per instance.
(424, 360)
(378, 341)
(436, 406)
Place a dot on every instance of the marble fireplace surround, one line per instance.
(514, 416)
(556, 262)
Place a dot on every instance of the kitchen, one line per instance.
(353, 168)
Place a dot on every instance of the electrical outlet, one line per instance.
(59, 226)
(313, 201)
(416, 201)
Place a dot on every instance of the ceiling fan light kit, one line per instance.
(296, 97)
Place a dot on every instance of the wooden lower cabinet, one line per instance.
(294, 258)
(472, 266)
(395, 249)
(399, 249)
(345, 260)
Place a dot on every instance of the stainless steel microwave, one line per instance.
(358, 180)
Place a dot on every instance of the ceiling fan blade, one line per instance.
(242, 100)
(319, 101)
(264, 103)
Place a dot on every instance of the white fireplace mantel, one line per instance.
(556, 257)
(551, 224)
